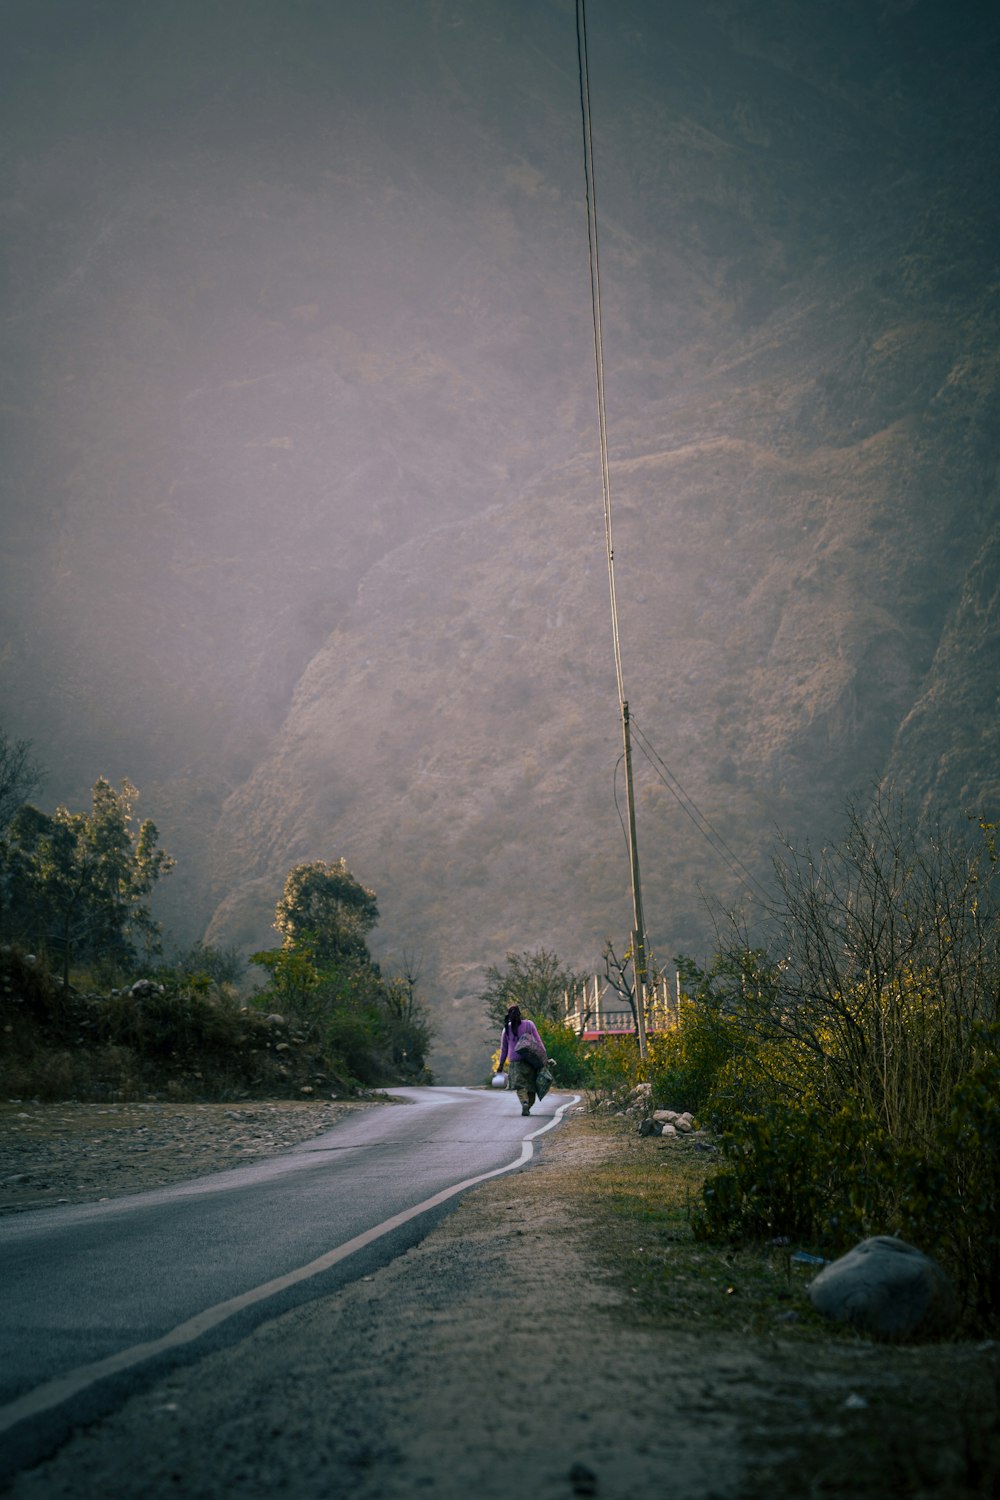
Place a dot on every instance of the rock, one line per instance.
(668, 1129)
(145, 987)
(649, 1127)
(638, 1099)
(887, 1288)
(668, 1116)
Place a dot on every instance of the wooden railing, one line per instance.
(597, 1010)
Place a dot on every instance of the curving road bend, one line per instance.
(97, 1297)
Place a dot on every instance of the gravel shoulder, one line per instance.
(83, 1153)
(498, 1354)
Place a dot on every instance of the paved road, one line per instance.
(96, 1297)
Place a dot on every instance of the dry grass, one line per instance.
(838, 1414)
(639, 1204)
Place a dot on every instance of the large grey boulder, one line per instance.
(887, 1288)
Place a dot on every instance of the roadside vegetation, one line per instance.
(848, 1069)
(827, 1411)
(90, 1009)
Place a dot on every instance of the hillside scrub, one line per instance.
(172, 1036)
(536, 982)
(116, 1022)
(851, 1067)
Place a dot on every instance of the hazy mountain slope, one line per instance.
(458, 733)
(303, 520)
(801, 487)
(282, 291)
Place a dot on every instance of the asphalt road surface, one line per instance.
(97, 1298)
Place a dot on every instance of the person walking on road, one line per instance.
(525, 1050)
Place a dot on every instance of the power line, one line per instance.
(686, 803)
(583, 66)
(639, 930)
(691, 809)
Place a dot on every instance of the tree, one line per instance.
(85, 879)
(325, 908)
(535, 981)
(20, 777)
(324, 978)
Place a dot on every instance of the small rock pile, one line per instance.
(663, 1122)
(669, 1122)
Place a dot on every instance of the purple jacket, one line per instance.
(507, 1045)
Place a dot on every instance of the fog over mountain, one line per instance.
(301, 494)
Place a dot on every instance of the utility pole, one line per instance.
(638, 928)
(638, 925)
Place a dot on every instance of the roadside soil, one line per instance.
(82, 1153)
(504, 1353)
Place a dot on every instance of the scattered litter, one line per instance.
(805, 1259)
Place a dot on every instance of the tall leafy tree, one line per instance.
(325, 909)
(85, 879)
(324, 978)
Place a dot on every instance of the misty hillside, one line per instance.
(303, 524)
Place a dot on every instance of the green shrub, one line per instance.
(950, 1196)
(827, 1180)
(616, 1067)
(572, 1057)
(685, 1065)
(180, 1021)
(803, 1175)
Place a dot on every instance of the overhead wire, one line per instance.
(583, 65)
(691, 809)
(687, 804)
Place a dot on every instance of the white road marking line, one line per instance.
(63, 1387)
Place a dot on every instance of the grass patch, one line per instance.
(830, 1412)
(640, 1203)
